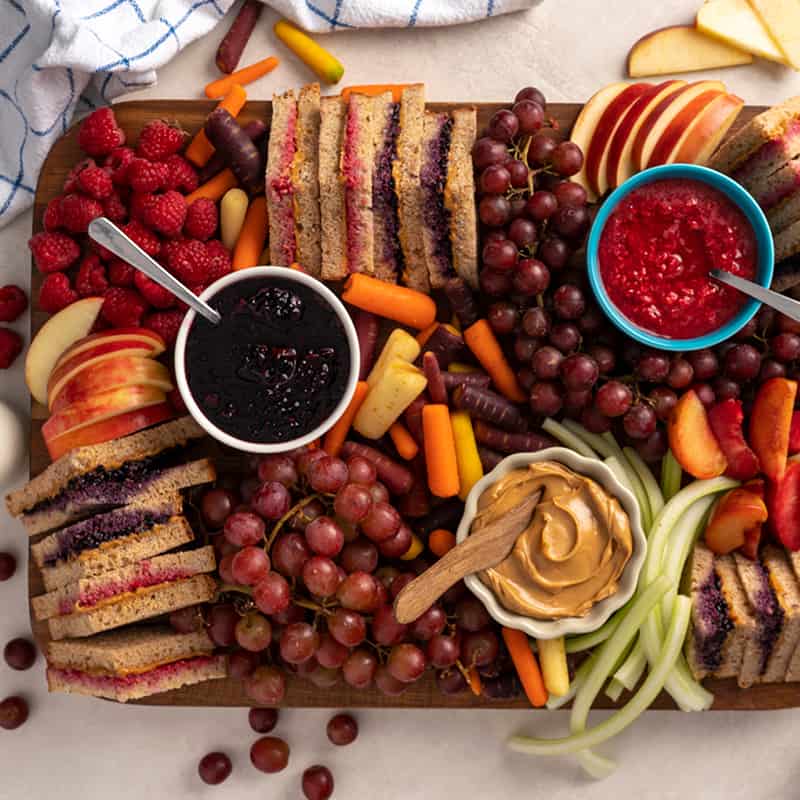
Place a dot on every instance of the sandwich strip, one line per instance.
(305, 181)
(331, 189)
(279, 186)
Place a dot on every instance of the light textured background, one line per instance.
(75, 748)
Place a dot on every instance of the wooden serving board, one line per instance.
(191, 114)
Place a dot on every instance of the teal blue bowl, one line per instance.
(765, 254)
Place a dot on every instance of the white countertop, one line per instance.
(76, 748)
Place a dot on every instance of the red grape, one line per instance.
(214, 768)
(292, 613)
(187, 620)
(324, 536)
(604, 356)
(565, 336)
(554, 252)
(519, 172)
(222, 621)
(429, 624)
(530, 115)
(342, 729)
(396, 546)
(249, 566)
(541, 149)
(352, 502)
(272, 500)
(567, 159)
(524, 348)
(504, 125)
(216, 506)
(724, 389)
(570, 194)
(530, 277)
(379, 493)
(639, 421)
(386, 630)
(263, 720)
(541, 205)
(361, 470)
(8, 566)
(324, 678)
(298, 642)
(479, 648)
(19, 654)
(486, 151)
(330, 653)
(253, 632)
(359, 668)
(272, 593)
(347, 627)
(443, 651)
(568, 301)
(770, 368)
(495, 179)
(307, 458)
(328, 474)
(522, 233)
(278, 468)
(502, 316)
(317, 783)
(381, 522)
(360, 555)
(680, 373)
(242, 663)
(653, 366)
(663, 401)
(546, 398)
(614, 398)
(358, 592)
(320, 576)
(536, 321)
(451, 681)
(289, 553)
(500, 254)
(494, 210)
(406, 662)
(269, 754)
(570, 221)
(495, 284)
(705, 393)
(305, 514)
(266, 685)
(400, 583)
(471, 614)
(595, 421)
(704, 363)
(546, 363)
(244, 528)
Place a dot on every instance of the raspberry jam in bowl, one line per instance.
(654, 241)
(278, 370)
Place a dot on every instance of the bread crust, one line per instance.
(305, 179)
(279, 190)
(331, 188)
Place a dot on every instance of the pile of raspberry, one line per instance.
(13, 303)
(142, 188)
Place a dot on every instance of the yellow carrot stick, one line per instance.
(470, 470)
(313, 55)
(553, 660)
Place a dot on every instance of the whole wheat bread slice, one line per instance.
(305, 180)
(139, 606)
(281, 152)
(331, 189)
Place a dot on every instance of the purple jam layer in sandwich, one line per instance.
(770, 616)
(435, 215)
(384, 196)
(712, 623)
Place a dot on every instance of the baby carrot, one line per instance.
(215, 188)
(436, 388)
(441, 541)
(423, 336)
(403, 441)
(375, 89)
(485, 347)
(470, 470)
(252, 236)
(334, 438)
(313, 55)
(200, 149)
(553, 661)
(530, 675)
(404, 305)
(243, 76)
(440, 450)
(414, 549)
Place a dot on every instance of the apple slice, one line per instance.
(738, 512)
(662, 116)
(596, 157)
(707, 132)
(771, 423)
(681, 48)
(113, 373)
(146, 337)
(112, 428)
(619, 164)
(691, 439)
(586, 124)
(100, 407)
(54, 337)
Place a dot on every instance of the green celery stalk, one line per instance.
(651, 488)
(671, 476)
(567, 438)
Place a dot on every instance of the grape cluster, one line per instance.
(310, 558)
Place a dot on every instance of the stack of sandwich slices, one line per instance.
(745, 616)
(371, 185)
(106, 517)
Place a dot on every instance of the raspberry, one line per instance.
(166, 213)
(12, 303)
(182, 175)
(156, 295)
(51, 219)
(99, 133)
(138, 203)
(71, 182)
(96, 182)
(123, 308)
(201, 219)
(53, 252)
(158, 140)
(120, 273)
(145, 238)
(169, 249)
(114, 208)
(91, 280)
(220, 259)
(165, 324)
(10, 347)
(56, 293)
(189, 262)
(77, 211)
(147, 176)
(117, 161)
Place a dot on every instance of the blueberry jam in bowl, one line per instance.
(652, 244)
(279, 369)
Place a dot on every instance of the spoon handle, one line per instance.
(774, 300)
(107, 234)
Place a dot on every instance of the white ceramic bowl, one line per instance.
(599, 612)
(349, 331)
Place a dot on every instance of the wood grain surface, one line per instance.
(424, 694)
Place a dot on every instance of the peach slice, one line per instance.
(738, 512)
(57, 334)
(771, 423)
(662, 116)
(143, 335)
(704, 136)
(112, 428)
(101, 406)
(725, 419)
(619, 165)
(691, 439)
(113, 373)
(783, 502)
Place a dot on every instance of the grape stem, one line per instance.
(287, 516)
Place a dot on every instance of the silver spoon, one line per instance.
(106, 233)
(772, 299)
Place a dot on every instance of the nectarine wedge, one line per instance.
(726, 420)
(771, 423)
(737, 512)
(783, 502)
(691, 439)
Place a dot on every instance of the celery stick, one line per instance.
(612, 462)
(614, 690)
(586, 641)
(639, 703)
(567, 438)
(631, 671)
(624, 473)
(609, 439)
(596, 766)
(594, 440)
(671, 476)
(583, 670)
(654, 495)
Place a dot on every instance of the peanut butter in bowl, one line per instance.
(572, 553)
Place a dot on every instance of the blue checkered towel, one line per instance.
(62, 57)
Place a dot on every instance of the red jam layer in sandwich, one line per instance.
(281, 193)
(771, 155)
(782, 183)
(354, 172)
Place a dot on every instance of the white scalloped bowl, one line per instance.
(599, 612)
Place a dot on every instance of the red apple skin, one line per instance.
(145, 335)
(783, 501)
(709, 131)
(737, 512)
(794, 434)
(726, 420)
(770, 425)
(108, 429)
(652, 119)
(691, 439)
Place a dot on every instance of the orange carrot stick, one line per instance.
(399, 303)
(334, 438)
(440, 450)
(474, 681)
(423, 336)
(481, 340)
(403, 441)
(527, 667)
(250, 243)
(441, 541)
(243, 76)
(200, 149)
(374, 89)
(214, 188)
